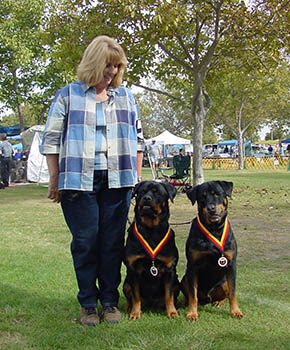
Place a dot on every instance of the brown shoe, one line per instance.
(89, 316)
(112, 314)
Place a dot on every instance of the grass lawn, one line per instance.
(38, 306)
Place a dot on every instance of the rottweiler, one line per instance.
(211, 251)
(151, 255)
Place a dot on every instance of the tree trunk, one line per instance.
(20, 115)
(199, 110)
(241, 134)
(42, 114)
(198, 177)
(18, 105)
(241, 152)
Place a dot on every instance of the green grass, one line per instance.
(38, 306)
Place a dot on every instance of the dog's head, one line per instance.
(212, 200)
(152, 202)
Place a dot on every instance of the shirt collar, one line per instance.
(111, 91)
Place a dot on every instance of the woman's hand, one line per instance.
(53, 192)
(52, 163)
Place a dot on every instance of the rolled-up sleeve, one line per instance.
(54, 126)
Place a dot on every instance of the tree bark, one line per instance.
(198, 176)
(18, 104)
(199, 111)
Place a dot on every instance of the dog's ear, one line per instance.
(192, 194)
(227, 187)
(137, 187)
(171, 190)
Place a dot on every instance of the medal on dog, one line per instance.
(153, 270)
(222, 261)
(149, 250)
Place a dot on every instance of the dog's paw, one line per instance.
(135, 316)
(172, 314)
(192, 316)
(237, 314)
(219, 303)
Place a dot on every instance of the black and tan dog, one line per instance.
(211, 251)
(151, 255)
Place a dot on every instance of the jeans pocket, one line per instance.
(70, 195)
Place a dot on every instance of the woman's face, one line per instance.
(110, 72)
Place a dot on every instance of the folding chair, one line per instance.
(181, 176)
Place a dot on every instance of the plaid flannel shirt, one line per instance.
(70, 132)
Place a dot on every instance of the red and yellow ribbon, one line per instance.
(145, 244)
(218, 243)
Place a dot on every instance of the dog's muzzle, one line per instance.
(147, 207)
(214, 213)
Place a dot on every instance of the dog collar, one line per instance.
(149, 250)
(146, 245)
(222, 261)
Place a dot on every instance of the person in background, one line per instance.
(154, 155)
(6, 152)
(281, 150)
(270, 150)
(93, 143)
(182, 152)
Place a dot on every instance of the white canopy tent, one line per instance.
(37, 170)
(167, 138)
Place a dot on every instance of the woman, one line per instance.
(94, 147)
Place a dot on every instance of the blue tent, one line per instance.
(228, 143)
(285, 141)
(11, 130)
(231, 143)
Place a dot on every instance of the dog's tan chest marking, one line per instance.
(197, 254)
(133, 258)
(229, 254)
(150, 222)
(167, 260)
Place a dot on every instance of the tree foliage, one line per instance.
(180, 42)
(29, 75)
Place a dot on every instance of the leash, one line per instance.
(171, 224)
(182, 223)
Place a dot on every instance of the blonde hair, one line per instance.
(101, 51)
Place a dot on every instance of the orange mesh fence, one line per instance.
(254, 163)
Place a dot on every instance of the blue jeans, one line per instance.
(97, 221)
(5, 169)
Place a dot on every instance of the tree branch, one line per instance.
(182, 63)
(204, 64)
(158, 91)
(179, 38)
(225, 122)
